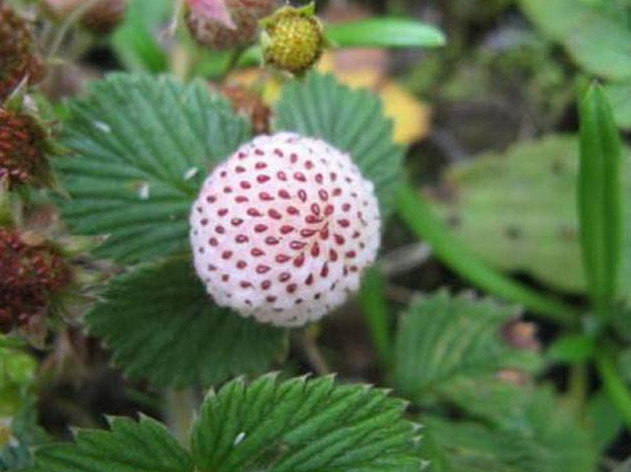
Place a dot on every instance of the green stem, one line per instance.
(375, 310)
(614, 386)
(233, 62)
(419, 217)
(578, 387)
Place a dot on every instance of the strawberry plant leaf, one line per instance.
(443, 339)
(303, 425)
(162, 326)
(142, 147)
(539, 436)
(130, 446)
(351, 120)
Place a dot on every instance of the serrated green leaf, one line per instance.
(142, 146)
(600, 197)
(303, 425)
(443, 339)
(385, 32)
(596, 41)
(351, 120)
(129, 446)
(162, 326)
(540, 436)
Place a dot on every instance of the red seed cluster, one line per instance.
(29, 276)
(21, 148)
(284, 228)
(18, 58)
(245, 15)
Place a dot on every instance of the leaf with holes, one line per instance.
(162, 326)
(351, 120)
(142, 147)
(444, 339)
(129, 446)
(303, 425)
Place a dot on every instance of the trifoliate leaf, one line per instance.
(162, 326)
(351, 120)
(540, 436)
(142, 148)
(444, 339)
(130, 446)
(303, 425)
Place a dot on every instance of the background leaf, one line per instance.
(130, 446)
(303, 425)
(162, 326)
(143, 147)
(385, 32)
(443, 339)
(595, 38)
(135, 42)
(351, 120)
(517, 210)
(542, 436)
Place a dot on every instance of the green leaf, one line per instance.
(142, 147)
(162, 326)
(385, 32)
(443, 339)
(351, 120)
(303, 425)
(606, 423)
(517, 210)
(600, 196)
(135, 42)
(540, 436)
(620, 98)
(374, 307)
(572, 348)
(129, 446)
(595, 40)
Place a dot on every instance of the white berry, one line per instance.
(283, 229)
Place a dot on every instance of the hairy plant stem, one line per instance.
(180, 409)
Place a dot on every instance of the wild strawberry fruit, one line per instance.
(18, 56)
(293, 39)
(283, 230)
(226, 24)
(101, 18)
(22, 143)
(31, 273)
